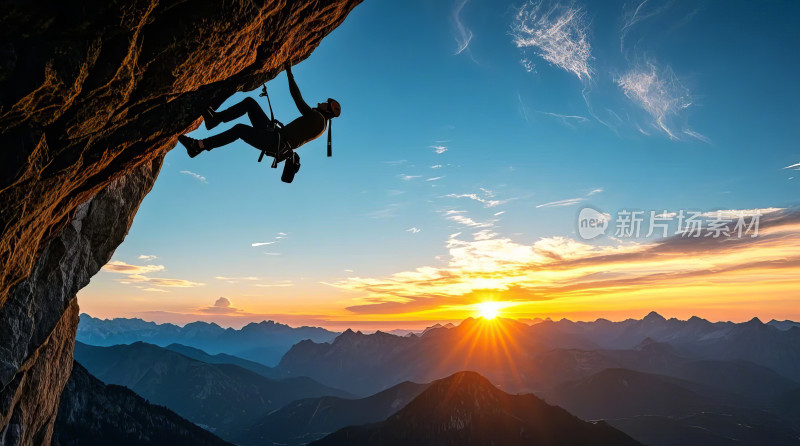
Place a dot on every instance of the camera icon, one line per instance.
(592, 223)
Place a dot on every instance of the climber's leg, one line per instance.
(247, 106)
(261, 139)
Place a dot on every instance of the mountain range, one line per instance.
(91, 413)
(364, 364)
(303, 421)
(217, 396)
(775, 345)
(530, 358)
(264, 342)
(732, 385)
(665, 411)
(466, 409)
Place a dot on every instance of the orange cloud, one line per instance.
(116, 266)
(136, 274)
(160, 281)
(579, 275)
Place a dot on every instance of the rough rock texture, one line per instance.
(40, 317)
(91, 92)
(30, 400)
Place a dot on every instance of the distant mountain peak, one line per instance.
(654, 317)
(348, 334)
(754, 321)
(437, 326)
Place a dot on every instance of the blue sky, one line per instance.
(470, 116)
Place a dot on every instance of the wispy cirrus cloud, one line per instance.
(560, 203)
(566, 117)
(570, 201)
(278, 237)
(276, 284)
(463, 35)
(196, 176)
(697, 136)
(735, 213)
(388, 211)
(660, 93)
(237, 279)
(557, 32)
(439, 149)
(487, 202)
(637, 13)
(793, 166)
(458, 216)
(567, 120)
(406, 177)
(414, 230)
(147, 257)
(164, 282)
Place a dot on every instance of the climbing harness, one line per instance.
(276, 125)
(285, 152)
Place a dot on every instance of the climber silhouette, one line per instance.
(263, 134)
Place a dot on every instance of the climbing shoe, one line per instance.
(290, 167)
(192, 146)
(210, 118)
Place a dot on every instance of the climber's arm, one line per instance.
(298, 99)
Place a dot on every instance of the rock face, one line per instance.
(92, 95)
(40, 317)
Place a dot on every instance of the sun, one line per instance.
(488, 310)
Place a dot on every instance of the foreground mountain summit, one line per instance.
(466, 409)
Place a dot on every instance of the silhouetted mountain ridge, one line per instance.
(216, 395)
(466, 409)
(222, 358)
(310, 419)
(92, 413)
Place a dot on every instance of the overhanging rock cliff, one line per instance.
(92, 95)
